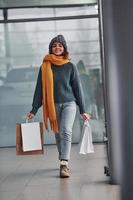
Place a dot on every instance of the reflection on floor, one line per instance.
(37, 177)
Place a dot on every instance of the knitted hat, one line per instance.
(60, 39)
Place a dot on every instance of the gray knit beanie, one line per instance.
(60, 39)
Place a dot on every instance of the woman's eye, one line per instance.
(57, 45)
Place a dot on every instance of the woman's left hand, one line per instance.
(86, 116)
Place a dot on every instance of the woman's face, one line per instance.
(57, 49)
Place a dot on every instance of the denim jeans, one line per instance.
(66, 113)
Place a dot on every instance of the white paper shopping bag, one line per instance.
(86, 145)
(31, 137)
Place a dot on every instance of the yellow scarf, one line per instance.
(49, 111)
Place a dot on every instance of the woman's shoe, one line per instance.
(64, 170)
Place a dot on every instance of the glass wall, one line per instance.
(22, 48)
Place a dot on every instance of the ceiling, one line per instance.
(42, 3)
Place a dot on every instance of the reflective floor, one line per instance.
(37, 177)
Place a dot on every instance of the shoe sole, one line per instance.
(64, 176)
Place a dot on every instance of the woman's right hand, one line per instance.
(30, 116)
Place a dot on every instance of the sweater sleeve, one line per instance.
(77, 90)
(37, 98)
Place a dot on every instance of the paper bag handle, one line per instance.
(29, 120)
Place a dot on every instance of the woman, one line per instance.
(58, 89)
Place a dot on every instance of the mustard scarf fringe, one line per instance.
(48, 103)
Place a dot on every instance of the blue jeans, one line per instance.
(66, 113)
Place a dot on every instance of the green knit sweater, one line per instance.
(67, 87)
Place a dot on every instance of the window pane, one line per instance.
(27, 13)
(30, 13)
(1, 14)
(84, 10)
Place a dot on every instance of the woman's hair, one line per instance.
(65, 54)
(60, 39)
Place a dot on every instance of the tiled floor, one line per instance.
(37, 177)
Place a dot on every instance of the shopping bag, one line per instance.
(29, 138)
(86, 144)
